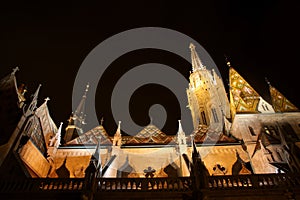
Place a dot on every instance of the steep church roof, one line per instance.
(92, 137)
(151, 135)
(243, 98)
(48, 126)
(279, 102)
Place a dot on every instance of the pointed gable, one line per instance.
(243, 98)
(48, 126)
(92, 137)
(279, 102)
(151, 135)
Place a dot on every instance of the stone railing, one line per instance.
(37, 184)
(253, 181)
(180, 184)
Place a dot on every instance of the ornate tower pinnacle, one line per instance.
(196, 62)
(179, 126)
(181, 139)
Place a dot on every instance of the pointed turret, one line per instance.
(117, 141)
(279, 102)
(181, 138)
(76, 121)
(196, 62)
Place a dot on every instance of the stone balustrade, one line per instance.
(181, 184)
(253, 181)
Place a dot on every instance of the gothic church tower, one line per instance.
(207, 97)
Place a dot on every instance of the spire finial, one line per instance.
(101, 121)
(179, 126)
(119, 126)
(267, 81)
(86, 89)
(192, 46)
(227, 60)
(15, 70)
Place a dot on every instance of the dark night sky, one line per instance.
(49, 42)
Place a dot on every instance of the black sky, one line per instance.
(49, 42)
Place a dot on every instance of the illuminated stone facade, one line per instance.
(245, 135)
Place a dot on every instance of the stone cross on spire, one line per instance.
(47, 99)
(15, 70)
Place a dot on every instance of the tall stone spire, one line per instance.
(207, 96)
(196, 62)
(33, 104)
(77, 119)
(79, 113)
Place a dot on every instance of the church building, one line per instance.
(236, 133)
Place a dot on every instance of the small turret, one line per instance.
(117, 141)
